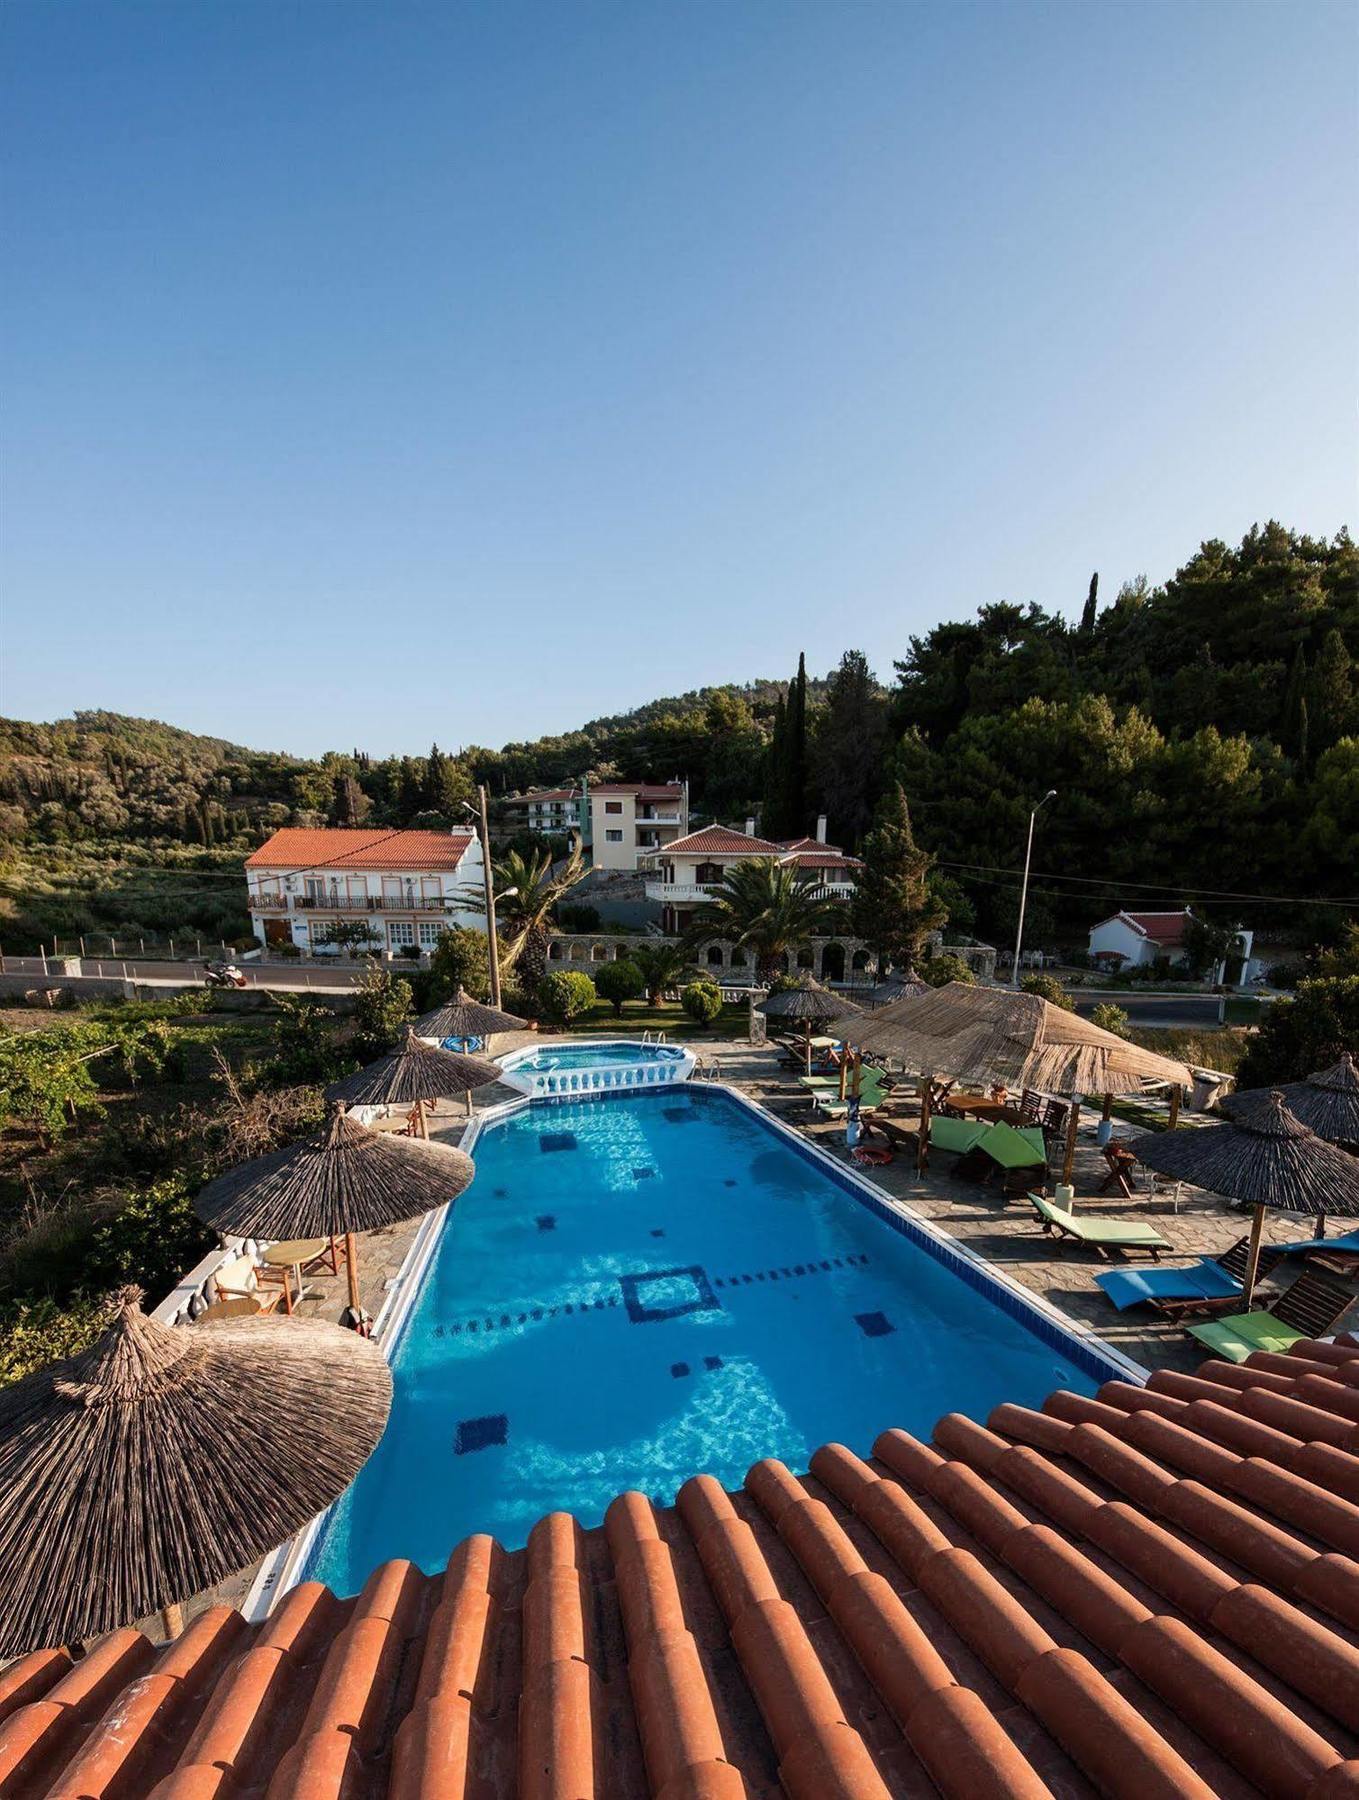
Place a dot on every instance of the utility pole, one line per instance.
(492, 944)
(1024, 890)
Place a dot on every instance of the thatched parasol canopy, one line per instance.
(414, 1071)
(161, 1460)
(464, 1017)
(1265, 1157)
(897, 987)
(1327, 1103)
(344, 1178)
(998, 1036)
(808, 1002)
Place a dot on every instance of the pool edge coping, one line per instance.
(281, 1569)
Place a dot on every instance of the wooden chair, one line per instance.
(1122, 1164)
(239, 1280)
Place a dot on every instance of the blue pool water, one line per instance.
(594, 1056)
(634, 1290)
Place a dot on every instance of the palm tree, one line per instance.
(527, 889)
(770, 909)
(662, 966)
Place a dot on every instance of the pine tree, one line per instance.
(797, 751)
(893, 907)
(436, 776)
(850, 744)
(773, 814)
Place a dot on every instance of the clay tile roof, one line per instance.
(1151, 1591)
(821, 858)
(541, 796)
(644, 790)
(340, 847)
(720, 840)
(1160, 927)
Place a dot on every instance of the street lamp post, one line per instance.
(492, 943)
(1024, 889)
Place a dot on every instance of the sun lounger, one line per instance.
(1165, 1287)
(958, 1135)
(1308, 1309)
(1100, 1234)
(1346, 1245)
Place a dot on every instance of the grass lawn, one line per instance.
(638, 1017)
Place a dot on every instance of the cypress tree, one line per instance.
(1091, 604)
(797, 750)
(776, 775)
(1331, 697)
(1292, 722)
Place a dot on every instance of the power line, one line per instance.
(1149, 887)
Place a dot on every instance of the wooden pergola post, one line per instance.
(172, 1620)
(1072, 1126)
(1175, 1093)
(1257, 1225)
(922, 1148)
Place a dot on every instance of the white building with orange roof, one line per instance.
(306, 886)
(687, 872)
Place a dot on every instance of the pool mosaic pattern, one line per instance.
(564, 1292)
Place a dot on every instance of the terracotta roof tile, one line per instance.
(718, 840)
(1153, 1592)
(340, 847)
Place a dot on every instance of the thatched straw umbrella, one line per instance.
(809, 1002)
(160, 1460)
(1001, 1037)
(897, 986)
(1327, 1103)
(464, 1017)
(342, 1179)
(415, 1073)
(1267, 1158)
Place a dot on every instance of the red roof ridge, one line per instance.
(311, 847)
(868, 1629)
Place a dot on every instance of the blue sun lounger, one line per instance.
(1204, 1280)
(1348, 1245)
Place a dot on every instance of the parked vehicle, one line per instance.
(223, 975)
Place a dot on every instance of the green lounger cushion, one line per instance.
(1016, 1149)
(1092, 1230)
(960, 1135)
(1241, 1334)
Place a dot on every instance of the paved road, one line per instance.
(1201, 1012)
(288, 977)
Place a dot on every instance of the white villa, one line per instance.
(620, 822)
(407, 886)
(1133, 940)
(688, 870)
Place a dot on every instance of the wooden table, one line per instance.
(291, 1254)
(980, 1106)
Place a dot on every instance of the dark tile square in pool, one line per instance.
(669, 1294)
(556, 1140)
(874, 1324)
(480, 1434)
(730, 1181)
(546, 1222)
(679, 1115)
(678, 1370)
(658, 1231)
(642, 1174)
(712, 1362)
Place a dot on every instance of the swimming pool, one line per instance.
(635, 1291)
(602, 1066)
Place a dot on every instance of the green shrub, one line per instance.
(459, 959)
(1111, 1018)
(619, 981)
(566, 994)
(1047, 987)
(1303, 1034)
(940, 970)
(34, 1333)
(702, 1000)
(151, 1240)
(578, 918)
(381, 1011)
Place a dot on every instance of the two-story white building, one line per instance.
(406, 886)
(688, 871)
(619, 822)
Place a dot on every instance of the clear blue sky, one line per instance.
(376, 373)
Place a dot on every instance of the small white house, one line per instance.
(408, 887)
(1133, 940)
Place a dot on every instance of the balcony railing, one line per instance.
(682, 890)
(655, 818)
(364, 903)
